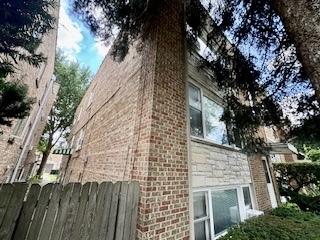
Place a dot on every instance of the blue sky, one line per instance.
(76, 41)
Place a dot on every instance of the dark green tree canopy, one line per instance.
(264, 68)
(22, 25)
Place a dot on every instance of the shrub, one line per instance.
(300, 183)
(281, 224)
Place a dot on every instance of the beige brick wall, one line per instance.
(135, 128)
(37, 80)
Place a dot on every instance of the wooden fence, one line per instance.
(73, 212)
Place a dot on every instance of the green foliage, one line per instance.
(22, 25)
(306, 135)
(313, 154)
(14, 102)
(73, 80)
(300, 183)
(237, 73)
(281, 224)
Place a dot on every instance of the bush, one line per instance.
(300, 183)
(281, 224)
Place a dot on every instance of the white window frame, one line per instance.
(80, 140)
(215, 100)
(242, 208)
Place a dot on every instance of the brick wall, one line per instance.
(37, 80)
(135, 128)
(260, 183)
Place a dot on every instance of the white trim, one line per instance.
(213, 98)
(241, 204)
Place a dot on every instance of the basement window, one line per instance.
(218, 209)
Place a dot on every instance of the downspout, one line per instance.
(30, 133)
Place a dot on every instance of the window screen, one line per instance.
(225, 209)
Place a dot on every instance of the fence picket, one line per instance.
(13, 210)
(76, 229)
(88, 217)
(106, 211)
(40, 212)
(62, 212)
(27, 212)
(134, 210)
(50, 217)
(113, 211)
(121, 211)
(5, 195)
(72, 211)
(96, 223)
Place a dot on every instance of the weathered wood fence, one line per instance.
(73, 212)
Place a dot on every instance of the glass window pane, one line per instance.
(266, 172)
(225, 209)
(199, 205)
(200, 230)
(247, 197)
(196, 122)
(215, 128)
(194, 97)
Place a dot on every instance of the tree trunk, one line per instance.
(301, 19)
(43, 163)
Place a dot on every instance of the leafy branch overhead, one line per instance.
(22, 25)
(262, 72)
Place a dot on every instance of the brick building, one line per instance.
(18, 143)
(155, 118)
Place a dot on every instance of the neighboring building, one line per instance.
(155, 118)
(18, 143)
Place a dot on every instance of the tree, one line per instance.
(22, 25)
(73, 80)
(264, 66)
(302, 20)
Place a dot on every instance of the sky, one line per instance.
(76, 41)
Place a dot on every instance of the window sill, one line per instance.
(210, 143)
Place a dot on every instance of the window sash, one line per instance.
(240, 200)
(202, 109)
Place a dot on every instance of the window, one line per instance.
(247, 197)
(80, 140)
(195, 111)
(72, 142)
(205, 117)
(225, 209)
(201, 216)
(266, 171)
(216, 210)
(215, 128)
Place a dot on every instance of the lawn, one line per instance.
(281, 224)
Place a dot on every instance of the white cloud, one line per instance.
(101, 48)
(69, 34)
